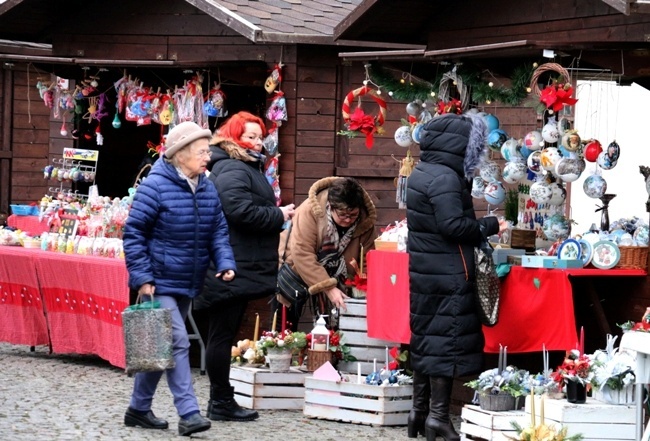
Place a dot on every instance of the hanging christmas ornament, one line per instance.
(491, 121)
(99, 137)
(490, 171)
(514, 172)
(64, 129)
(571, 140)
(415, 133)
(550, 131)
(533, 140)
(401, 183)
(569, 169)
(595, 186)
(592, 150)
(478, 187)
(534, 162)
(274, 79)
(495, 193)
(496, 138)
(359, 121)
(563, 124)
(605, 162)
(549, 158)
(116, 122)
(556, 227)
(558, 195)
(414, 108)
(403, 136)
(510, 150)
(540, 192)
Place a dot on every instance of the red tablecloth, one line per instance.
(22, 320)
(84, 297)
(536, 305)
(388, 296)
(29, 224)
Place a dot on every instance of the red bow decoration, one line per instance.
(451, 106)
(556, 97)
(360, 122)
(358, 282)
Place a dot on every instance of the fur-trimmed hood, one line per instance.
(317, 207)
(232, 149)
(457, 141)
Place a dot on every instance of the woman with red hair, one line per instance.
(255, 223)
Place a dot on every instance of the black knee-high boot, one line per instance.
(438, 423)
(420, 409)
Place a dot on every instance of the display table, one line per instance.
(83, 297)
(22, 318)
(639, 342)
(29, 224)
(536, 307)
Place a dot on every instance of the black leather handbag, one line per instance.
(290, 285)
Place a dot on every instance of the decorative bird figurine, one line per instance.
(645, 171)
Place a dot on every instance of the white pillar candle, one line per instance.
(358, 373)
(374, 365)
(387, 358)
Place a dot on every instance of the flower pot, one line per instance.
(279, 359)
(576, 392)
(497, 402)
(615, 396)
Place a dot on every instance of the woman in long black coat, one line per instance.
(255, 223)
(446, 336)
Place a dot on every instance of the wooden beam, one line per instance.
(9, 4)
(229, 18)
(378, 55)
(7, 76)
(357, 13)
(640, 7)
(622, 6)
(477, 48)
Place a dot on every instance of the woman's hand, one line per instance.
(147, 289)
(337, 297)
(503, 225)
(288, 211)
(227, 276)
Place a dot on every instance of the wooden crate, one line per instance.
(595, 420)
(354, 326)
(477, 423)
(358, 403)
(259, 388)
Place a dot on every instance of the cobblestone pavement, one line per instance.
(71, 397)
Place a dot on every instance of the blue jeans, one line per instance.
(179, 378)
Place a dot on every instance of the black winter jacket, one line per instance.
(446, 335)
(255, 223)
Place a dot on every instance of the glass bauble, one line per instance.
(549, 158)
(403, 136)
(514, 172)
(533, 140)
(569, 169)
(571, 140)
(496, 138)
(491, 121)
(490, 171)
(510, 150)
(556, 227)
(558, 194)
(641, 235)
(592, 150)
(605, 162)
(495, 193)
(534, 162)
(550, 131)
(595, 186)
(478, 187)
(540, 192)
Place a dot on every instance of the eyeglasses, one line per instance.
(202, 153)
(345, 215)
(252, 138)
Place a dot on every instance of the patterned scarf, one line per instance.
(330, 256)
(192, 181)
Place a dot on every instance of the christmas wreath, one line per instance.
(359, 121)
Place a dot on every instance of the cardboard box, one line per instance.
(259, 388)
(490, 425)
(593, 419)
(383, 245)
(500, 255)
(524, 239)
(358, 403)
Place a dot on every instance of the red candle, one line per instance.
(284, 319)
(582, 340)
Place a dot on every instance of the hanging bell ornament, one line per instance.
(116, 121)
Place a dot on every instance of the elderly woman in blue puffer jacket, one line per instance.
(175, 226)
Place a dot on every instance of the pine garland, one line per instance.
(412, 88)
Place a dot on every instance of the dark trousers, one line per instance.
(224, 321)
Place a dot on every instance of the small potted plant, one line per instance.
(500, 390)
(576, 374)
(280, 347)
(614, 376)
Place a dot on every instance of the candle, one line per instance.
(541, 411)
(505, 357)
(275, 318)
(582, 340)
(283, 325)
(532, 404)
(358, 373)
(257, 327)
(361, 263)
(500, 365)
(387, 358)
(374, 365)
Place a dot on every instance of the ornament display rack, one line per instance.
(74, 160)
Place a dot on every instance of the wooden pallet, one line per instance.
(357, 403)
(354, 326)
(259, 388)
(594, 420)
(481, 424)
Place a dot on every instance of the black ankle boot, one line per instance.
(420, 409)
(146, 420)
(223, 407)
(438, 423)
